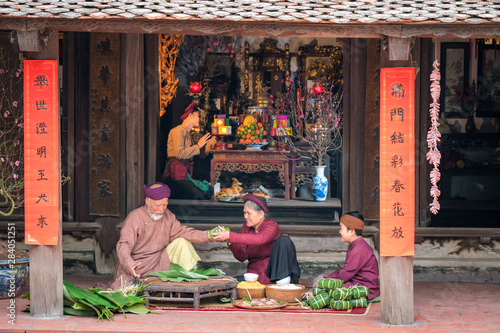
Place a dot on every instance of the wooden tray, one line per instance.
(238, 303)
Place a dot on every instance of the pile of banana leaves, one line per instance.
(103, 303)
(176, 273)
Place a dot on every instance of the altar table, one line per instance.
(251, 161)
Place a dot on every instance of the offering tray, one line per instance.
(243, 304)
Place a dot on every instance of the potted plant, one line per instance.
(315, 120)
(14, 270)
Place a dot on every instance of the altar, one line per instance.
(251, 161)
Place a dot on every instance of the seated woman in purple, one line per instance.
(361, 266)
(256, 243)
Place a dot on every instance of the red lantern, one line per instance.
(195, 87)
(318, 89)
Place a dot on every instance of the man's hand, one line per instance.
(132, 272)
(203, 140)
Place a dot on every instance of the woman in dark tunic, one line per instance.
(255, 244)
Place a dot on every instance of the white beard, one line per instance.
(154, 217)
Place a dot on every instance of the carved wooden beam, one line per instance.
(399, 48)
(254, 28)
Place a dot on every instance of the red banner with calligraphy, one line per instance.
(42, 180)
(397, 161)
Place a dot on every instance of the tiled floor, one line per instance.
(445, 307)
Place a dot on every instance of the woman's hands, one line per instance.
(221, 236)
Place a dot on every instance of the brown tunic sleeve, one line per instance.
(180, 144)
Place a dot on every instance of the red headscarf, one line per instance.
(189, 110)
(257, 200)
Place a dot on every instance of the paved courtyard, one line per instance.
(443, 307)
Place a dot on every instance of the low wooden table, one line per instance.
(189, 291)
(251, 161)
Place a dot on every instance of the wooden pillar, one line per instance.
(46, 263)
(396, 273)
(354, 125)
(425, 58)
(152, 92)
(132, 101)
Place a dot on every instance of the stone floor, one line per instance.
(443, 307)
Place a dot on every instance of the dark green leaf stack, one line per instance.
(95, 301)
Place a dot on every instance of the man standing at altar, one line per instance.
(180, 152)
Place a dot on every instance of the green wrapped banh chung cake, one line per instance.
(359, 302)
(216, 229)
(340, 294)
(330, 283)
(340, 305)
(318, 302)
(359, 291)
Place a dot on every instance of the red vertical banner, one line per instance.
(42, 179)
(397, 161)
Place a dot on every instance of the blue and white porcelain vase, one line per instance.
(320, 184)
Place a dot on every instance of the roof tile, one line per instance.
(336, 11)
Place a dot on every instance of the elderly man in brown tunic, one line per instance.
(145, 234)
(180, 151)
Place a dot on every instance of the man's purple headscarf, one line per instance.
(158, 193)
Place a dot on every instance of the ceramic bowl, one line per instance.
(283, 282)
(250, 277)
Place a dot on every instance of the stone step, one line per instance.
(298, 211)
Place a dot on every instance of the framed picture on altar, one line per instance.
(488, 80)
(457, 100)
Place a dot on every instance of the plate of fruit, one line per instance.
(251, 134)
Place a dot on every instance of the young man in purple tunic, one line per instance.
(361, 266)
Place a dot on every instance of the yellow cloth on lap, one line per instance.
(182, 253)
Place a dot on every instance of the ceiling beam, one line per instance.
(253, 28)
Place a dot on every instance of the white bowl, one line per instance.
(250, 277)
(283, 282)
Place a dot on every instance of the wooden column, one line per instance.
(132, 102)
(354, 125)
(396, 273)
(46, 263)
(424, 55)
(152, 91)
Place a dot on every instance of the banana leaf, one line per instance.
(176, 273)
(82, 313)
(136, 308)
(207, 272)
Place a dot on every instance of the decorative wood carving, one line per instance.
(170, 46)
(29, 41)
(399, 48)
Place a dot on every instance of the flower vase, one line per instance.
(320, 184)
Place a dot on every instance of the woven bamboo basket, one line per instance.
(286, 295)
(254, 293)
